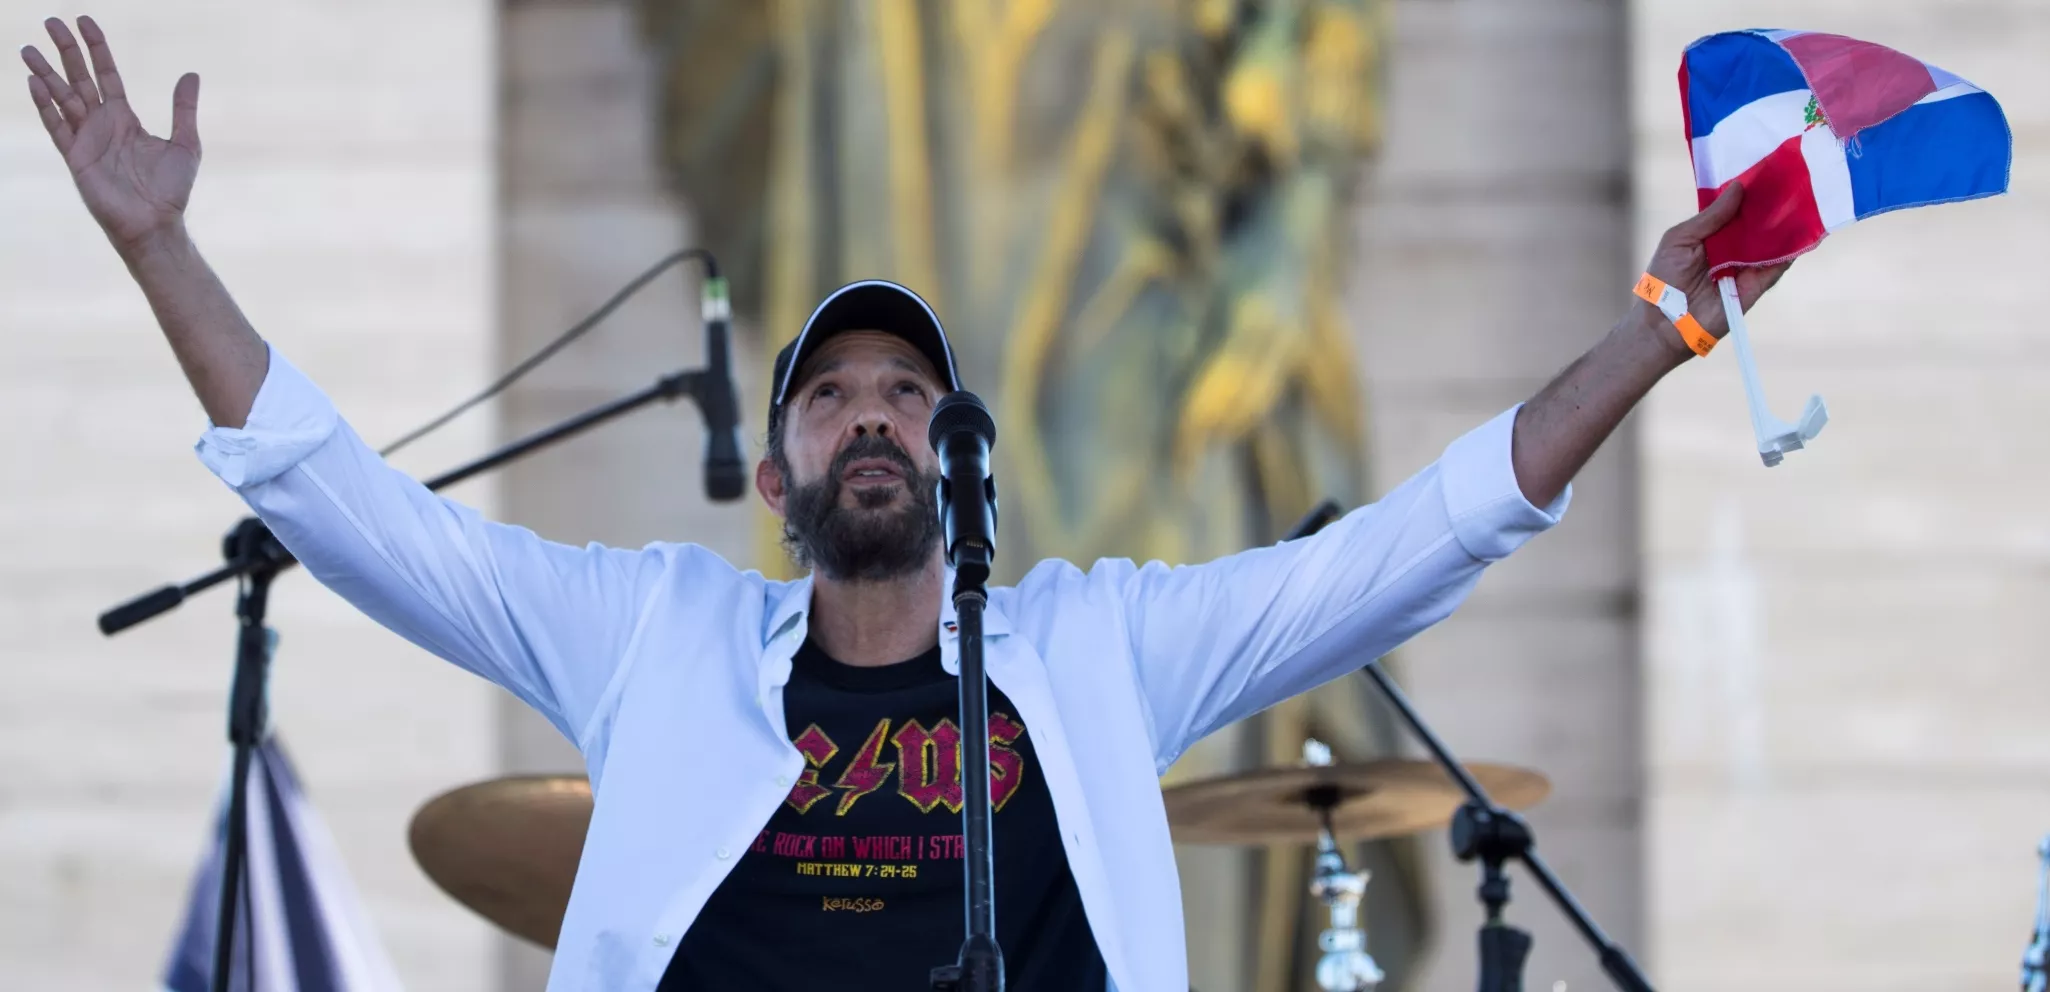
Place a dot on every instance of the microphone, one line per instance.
(962, 433)
(725, 476)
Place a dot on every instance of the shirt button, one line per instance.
(782, 780)
(661, 940)
(724, 854)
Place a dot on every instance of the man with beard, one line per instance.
(777, 764)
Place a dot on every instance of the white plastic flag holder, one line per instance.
(1775, 437)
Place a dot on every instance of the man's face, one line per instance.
(855, 489)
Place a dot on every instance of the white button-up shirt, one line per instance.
(666, 665)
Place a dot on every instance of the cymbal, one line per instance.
(1375, 799)
(508, 848)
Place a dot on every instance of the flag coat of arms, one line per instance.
(1823, 130)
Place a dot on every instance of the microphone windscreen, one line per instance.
(725, 470)
(724, 483)
(959, 411)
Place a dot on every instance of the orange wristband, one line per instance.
(1673, 303)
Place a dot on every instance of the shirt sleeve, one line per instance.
(547, 621)
(1223, 640)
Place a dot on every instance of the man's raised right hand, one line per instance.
(135, 184)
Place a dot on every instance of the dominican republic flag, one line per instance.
(299, 928)
(1823, 130)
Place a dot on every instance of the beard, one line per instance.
(871, 542)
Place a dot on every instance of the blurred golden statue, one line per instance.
(1132, 216)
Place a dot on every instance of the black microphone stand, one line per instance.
(248, 714)
(1495, 835)
(980, 967)
(667, 389)
(968, 507)
(254, 555)
(1483, 830)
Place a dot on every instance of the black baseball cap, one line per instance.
(868, 305)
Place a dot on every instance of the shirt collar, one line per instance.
(795, 607)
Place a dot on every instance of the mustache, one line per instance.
(873, 542)
(872, 446)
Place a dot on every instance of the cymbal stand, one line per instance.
(1496, 836)
(1345, 965)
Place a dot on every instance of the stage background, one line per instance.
(1849, 765)
(348, 197)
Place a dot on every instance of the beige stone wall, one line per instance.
(1850, 761)
(346, 196)
(1493, 250)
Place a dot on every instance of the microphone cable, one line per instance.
(561, 341)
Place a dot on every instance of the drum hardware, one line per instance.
(1494, 837)
(1323, 802)
(1370, 800)
(1345, 965)
(1485, 830)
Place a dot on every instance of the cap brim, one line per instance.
(870, 305)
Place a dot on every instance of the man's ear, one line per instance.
(769, 482)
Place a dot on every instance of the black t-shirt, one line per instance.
(855, 883)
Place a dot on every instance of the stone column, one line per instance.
(345, 198)
(1848, 749)
(583, 210)
(1493, 249)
